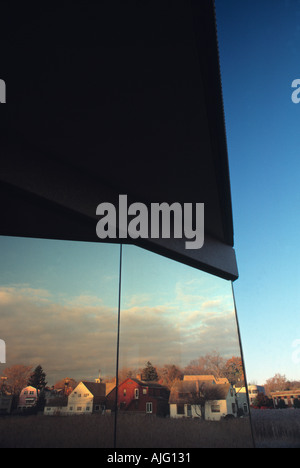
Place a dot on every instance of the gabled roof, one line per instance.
(146, 383)
(182, 391)
(96, 389)
(207, 378)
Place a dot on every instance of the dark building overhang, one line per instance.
(109, 99)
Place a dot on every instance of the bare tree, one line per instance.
(203, 393)
(169, 374)
(212, 363)
(17, 378)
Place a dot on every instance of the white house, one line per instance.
(86, 398)
(206, 398)
(241, 395)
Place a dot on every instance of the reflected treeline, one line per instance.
(210, 364)
(16, 376)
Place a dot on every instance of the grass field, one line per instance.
(276, 428)
(271, 428)
(133, 432)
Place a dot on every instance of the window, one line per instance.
(215, 408)
(233, 408)
(180, 409)
(165, 287)
(149, 407)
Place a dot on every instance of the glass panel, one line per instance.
(58, 310)
(180, 375)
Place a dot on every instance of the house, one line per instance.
(28, 398)
(242, 398)
(207, 378)
(5, 404)
(86, 398)
(139, 396)
(56, 406)
(202, 399)
(285, 397)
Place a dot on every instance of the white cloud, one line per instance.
(77, 337)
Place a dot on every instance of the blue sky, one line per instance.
(260, 57)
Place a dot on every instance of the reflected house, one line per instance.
(28, 397)
(202, 397)
(139, 396)
(5, 404)
(87, 398)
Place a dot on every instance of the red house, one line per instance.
(140, 396)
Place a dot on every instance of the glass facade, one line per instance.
(147, 348)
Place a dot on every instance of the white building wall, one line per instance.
(80, 401)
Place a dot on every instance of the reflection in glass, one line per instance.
(180, 357)
(180, 370)
(58, 310)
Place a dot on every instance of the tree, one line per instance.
(234, 370)
(149, 373)
(212, 363)
(17, 378)
(170, 374)
(263, 400)
(38, 379)
(276, 383)
(67, 385)
(281, 404)
(202, 393)
(296, 403)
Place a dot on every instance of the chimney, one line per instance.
(99, 378)
(139, 376)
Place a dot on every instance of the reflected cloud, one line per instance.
(76, 336)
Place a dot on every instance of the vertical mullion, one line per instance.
(118, 347)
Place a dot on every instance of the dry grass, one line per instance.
(134, 431)
(276, 428)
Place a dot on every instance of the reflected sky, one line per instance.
(172, 313)
(58, 308)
